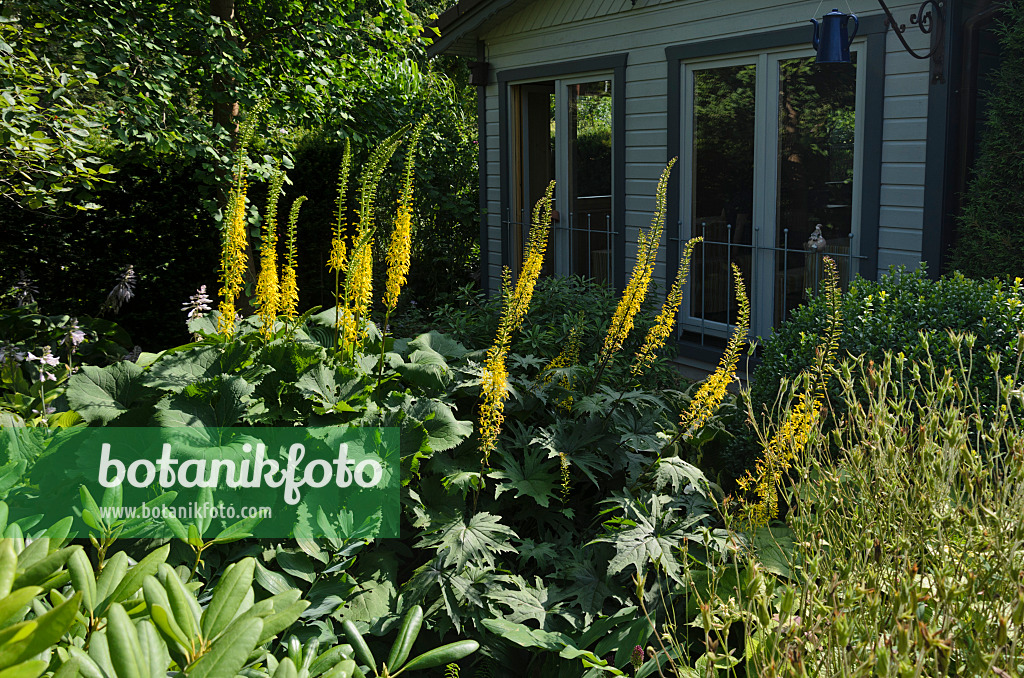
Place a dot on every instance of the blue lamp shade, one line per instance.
(832, 37)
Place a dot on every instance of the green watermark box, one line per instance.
(336, 482)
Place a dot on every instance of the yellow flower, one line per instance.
(233, 256)
(400, 250)
(794, 431)
(514, 309)
(569, 356)
(398, 256)
(665, 323)
(776, 459)
(289, 304)
(235, 242)
(711, 393)
(636, 289)
(268, 293)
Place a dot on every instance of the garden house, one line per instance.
(780, 159)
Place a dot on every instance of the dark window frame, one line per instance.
(614, 63)
(873, 28)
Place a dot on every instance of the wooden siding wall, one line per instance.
(548, 31)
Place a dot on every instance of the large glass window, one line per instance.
(562, 131)
(769, 179)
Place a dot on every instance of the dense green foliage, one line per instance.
(138, 101)
(559, 304)
(161, 71)
(902, 552)
(990, 241)
(904, 312)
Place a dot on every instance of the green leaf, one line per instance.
(330, 388)
(426, 369)
(476, 541)
(29, 669)
(154, 649)
(218, 403)
(229, 654)
(132, 581)
(82, 578)
(111, 575)
(527, 637)
(444, 431)
(101, 394)
(528, 602)
(439, 343)
(44, 632)
(774, 549)
(674, 475)
(184, 606)
(38, 573)
(123, 643)
(227, 597)
(535, 476)
(14, 606)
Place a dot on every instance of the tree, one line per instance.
(45, 134)
(990, 240)
(171, 77)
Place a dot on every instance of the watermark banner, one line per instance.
(204, 483)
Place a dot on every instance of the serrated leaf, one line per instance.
(476, 541)
(528, 602)
(535, 476)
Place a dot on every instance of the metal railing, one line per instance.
(719, 288)
(582, 244)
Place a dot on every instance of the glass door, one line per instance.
(588, 228)
(814, 178)
(769, 163)
(720, 201)
(579, 159)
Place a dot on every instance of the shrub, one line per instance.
(990, 241)
(904, 312)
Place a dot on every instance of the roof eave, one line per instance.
(460, 24)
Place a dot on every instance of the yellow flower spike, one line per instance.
(233, 257)
(268, 292)
(235, 241)
(359, 281)
(289, 285)
(639, 282)
(516, 304)
(665, 322)
(337, 260)
(566, 478)
(400, 250)
(569, 356)
(793, 433)
(711, 393)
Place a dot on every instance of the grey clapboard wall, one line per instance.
(552, 31)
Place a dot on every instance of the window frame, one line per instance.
(611, 67)
(767, 49)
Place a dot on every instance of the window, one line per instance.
(770, 157)
(562, 130)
